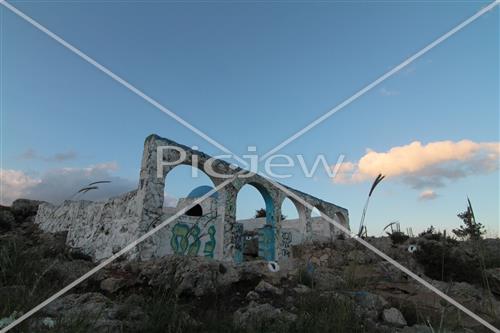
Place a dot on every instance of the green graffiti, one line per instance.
(180, 242)
(210, 245)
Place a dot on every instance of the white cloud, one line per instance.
(60, 184)
(420, 166)
(13, 184)
(427, 195)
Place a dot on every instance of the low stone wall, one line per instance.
(98, 229)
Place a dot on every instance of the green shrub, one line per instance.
(398, 237)
(448, 261)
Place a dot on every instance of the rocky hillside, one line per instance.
(339, 287)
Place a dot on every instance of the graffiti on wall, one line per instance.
(187, 240)
(266, 242)
(209, 249)
(239, 242)
(286, 242)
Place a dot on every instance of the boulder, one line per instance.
(7, 219)
(24, 208)
(255, 315)
(370, 301)
(94, 306)
(252, 295)
(90, 304)
(266, 288)
(394, 317)
(111, 285)
(302, 289)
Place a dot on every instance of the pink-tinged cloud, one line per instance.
(427, 195)
(13, 184)
(430, 165)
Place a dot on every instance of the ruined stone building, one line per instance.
(209, 229)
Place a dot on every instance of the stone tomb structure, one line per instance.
(210, 229)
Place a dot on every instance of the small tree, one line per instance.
(470, 228)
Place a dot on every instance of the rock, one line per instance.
(252, 295)
(48, 322)
(315, 261)
(394, 317)
(196, 276)
(24, 208)
(302, 289)
(493, 275)
(78, 253)
(264, 287)
(370, 301)
(90, 304)
(359, 257)
(254, 315)
(111, 285)
(327, 279)
(6, 219)
(417, 329)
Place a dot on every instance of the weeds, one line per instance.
(317, 313)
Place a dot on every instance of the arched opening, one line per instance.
(292, 228)
(289, 210)
(320, 226)
(255, 213)
(195, 211)
(183, 185)
(195, 232)
(315, 212)
(342, 220)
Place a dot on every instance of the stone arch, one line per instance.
(268, 200)
(154, 169)
(293, 232)
(302, 211)
(328, 211)
(267, 233)
(289, 206)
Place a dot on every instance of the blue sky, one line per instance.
(254, 73)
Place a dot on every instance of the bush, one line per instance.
(398, 237)
(432, 234)
(448, 261)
